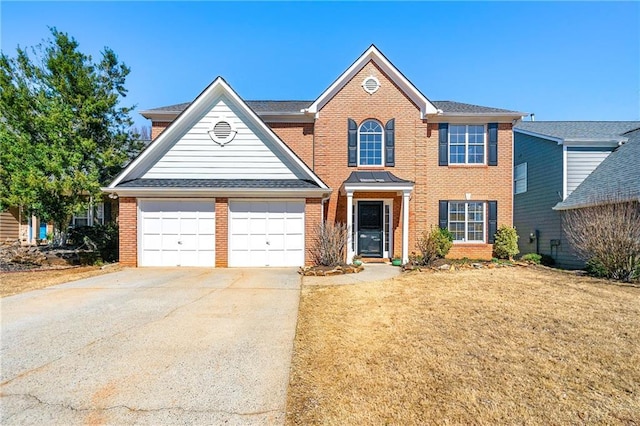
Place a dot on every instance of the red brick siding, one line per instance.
(222, 232)
(299, 137)
(312, 219)
(416, 160)
(128, 231)
(158, 127)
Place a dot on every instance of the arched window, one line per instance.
(370, 143)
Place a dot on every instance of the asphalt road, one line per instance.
(151, 346)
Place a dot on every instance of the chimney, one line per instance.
(533, 116)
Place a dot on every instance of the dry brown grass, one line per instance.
(502, 346)
(19, 282)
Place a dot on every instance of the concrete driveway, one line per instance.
(151, 346)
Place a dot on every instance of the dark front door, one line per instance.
(370, 228)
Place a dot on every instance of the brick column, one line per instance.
(128, 231)
(222, 232)
(312, 219)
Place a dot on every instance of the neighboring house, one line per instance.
(228, 182)
(552, 162)
(616, 179)
(10, 224)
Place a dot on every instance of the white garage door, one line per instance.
(177, 233)
(266, 233)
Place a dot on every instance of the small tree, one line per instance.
(329, 243)
(607, 235)
(63, 130)
(505, 245)
(434, 244)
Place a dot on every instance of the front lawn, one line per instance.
(507, 345)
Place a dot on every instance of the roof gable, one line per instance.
(373, 54)
(185, 150)
(616, 179)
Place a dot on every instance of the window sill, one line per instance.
(470, 243)
(467, 166)
(370, 167)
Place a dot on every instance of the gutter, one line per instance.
(219, 192)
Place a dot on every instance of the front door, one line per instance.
(370, 228)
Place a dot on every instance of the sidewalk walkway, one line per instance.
(372, 272)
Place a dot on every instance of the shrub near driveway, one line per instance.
(508, 345)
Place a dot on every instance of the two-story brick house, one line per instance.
(228, 182)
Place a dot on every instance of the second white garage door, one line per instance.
(266, 233)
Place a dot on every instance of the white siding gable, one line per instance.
(250, 155)
(581, 162)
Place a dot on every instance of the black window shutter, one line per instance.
(107, 211)
(493, 144)
(443, 150)
(353, 143)
(444, 214)
(389, 143)
(493, 220)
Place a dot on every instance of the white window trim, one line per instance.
(524, 178)
(466, 145)
(94, 214)
(385, 202)
(466, 221)
(381, 145)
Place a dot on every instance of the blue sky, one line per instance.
(562, 61)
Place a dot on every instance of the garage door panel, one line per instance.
(294, 226)
(239, 243)
(258, 226)
(273, 234)
(151, 225)
(276, 225)
(276, 242)
(188, 226)
(177, 232)
(171, 226)
(206, 226)
(151, 240)
(295, 208)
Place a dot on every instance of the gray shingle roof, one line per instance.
(590, 130)
(220, 183)
(375, 177)
(260, 107)
(616, 178)
(292, 107)
(459, 107)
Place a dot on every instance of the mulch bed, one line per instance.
(327, 271)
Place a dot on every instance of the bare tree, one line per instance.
(329, 243)
(142, 133)
(608, 234)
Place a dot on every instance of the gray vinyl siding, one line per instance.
(581, 162)
(533, 209)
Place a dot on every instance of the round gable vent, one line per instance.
(222, 132)
(371, 84)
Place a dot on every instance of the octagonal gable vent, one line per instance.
(222, 132)
(371, 85)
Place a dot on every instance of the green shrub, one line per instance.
(595, 268)
(532, 258)
(433, 244)
(102, 239)
(505, 245)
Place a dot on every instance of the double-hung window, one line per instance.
(370, 143)
(467, 221)
(520, 178)
(466, 144)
